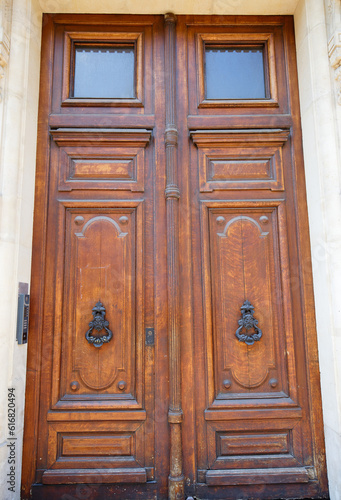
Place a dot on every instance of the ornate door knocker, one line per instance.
(98, 323)
(248, 322)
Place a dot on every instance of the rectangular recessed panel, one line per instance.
(225, 170)
(74, 476)
(102, 273)
(257, 476)
(240, 444)
(102, 268)
(252, 444)
(120, 169)
(96, 445)
(243, 264)
(104, 72)
(100, 158)
(74, 445)
(240, 159)
(234, 72)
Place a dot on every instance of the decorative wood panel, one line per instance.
(100, 159)
(74, 446)
(252, 443)
(120, 168)
(245, 265)
(96, 445)
(244, 444)
(258, 477)
(236, 159)
(102, 265)
(94, 476)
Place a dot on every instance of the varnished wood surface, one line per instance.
(96, 405)
(172, 194)
(172, 210)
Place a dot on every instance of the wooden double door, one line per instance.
(172, 348)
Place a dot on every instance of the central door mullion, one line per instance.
(172, 194)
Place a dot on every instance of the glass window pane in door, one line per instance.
(234, 73)
(104, 72)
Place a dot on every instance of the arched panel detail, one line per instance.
(224, 234)
(111, 221)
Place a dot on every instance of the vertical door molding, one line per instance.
(172, 194)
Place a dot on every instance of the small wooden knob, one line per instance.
(273, 382)
(74, 385)
(123, 220)
(79, 220)
(122, 385)
(220, 219)
(227, 383)
(264, 219)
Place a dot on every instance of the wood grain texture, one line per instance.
(100, 158)
(241, 263)
(102, 476)
(265, 476)
(172, 210)
(240, 159)
(244, 247)
(96, 405)
(172, 194)
(240, 444)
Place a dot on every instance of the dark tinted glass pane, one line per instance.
(104, 72)
(233, 73)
